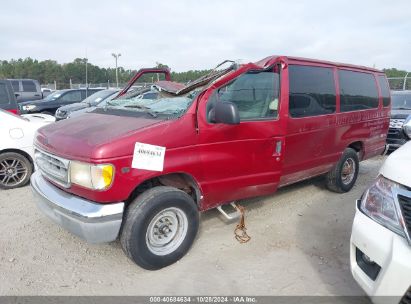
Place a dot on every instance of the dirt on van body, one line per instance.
(299, 246)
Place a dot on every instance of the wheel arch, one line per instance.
(180, 180)
(358, 146)
(24, 153)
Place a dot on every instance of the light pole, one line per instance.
(85, 61)
(405, 80)
(116, 57)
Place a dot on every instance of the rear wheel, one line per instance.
(159, 227)
(344, 174)
(15, 170)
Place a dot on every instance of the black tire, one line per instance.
(139, 221)
(339, 181)
(15, 170)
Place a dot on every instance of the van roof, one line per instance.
(269, 59)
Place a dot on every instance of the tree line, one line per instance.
(50, 71)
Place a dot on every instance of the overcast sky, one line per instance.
(198, 34)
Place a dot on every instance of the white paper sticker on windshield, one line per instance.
(148, 157)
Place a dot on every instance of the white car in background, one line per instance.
(16, 147)
(380, 240)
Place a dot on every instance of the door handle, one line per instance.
(278, 147)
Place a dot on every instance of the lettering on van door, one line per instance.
(148, 157)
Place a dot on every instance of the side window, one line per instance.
(89, 92)
(4, 95)
(29, 86)
(74, 96)
(16, 86)
(255, 94)
(385, 90)
(312, 91)
(358, 91)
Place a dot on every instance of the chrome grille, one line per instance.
(54, 168)
(396, 123)
(405, 203)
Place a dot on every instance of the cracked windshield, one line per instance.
(156, 102)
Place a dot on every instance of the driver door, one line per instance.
(242, 160)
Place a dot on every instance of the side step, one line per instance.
(231, 215)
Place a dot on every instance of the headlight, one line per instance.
(379, 203)
(407, 127)
(29, 107)
(96, 177)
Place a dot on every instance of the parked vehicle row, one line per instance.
(98, 98)
(143, 169)
(55, 100)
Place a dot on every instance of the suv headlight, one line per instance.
(407, 127)
(379, 203)
(96, 177)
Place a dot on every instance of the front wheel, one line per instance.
(159, 227)
(344, 174)
(15, 170)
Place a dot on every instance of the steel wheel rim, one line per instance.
(166, 231)
(348, 171)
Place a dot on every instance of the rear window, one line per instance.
(29, 86)
(312, 91)
(385, 90)
(358, 91)
(4, 95)
(15, 85)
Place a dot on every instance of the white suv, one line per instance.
(380, 239)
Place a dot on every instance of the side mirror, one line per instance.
(16, 94)
(226, 112)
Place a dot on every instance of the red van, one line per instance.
(141, 170)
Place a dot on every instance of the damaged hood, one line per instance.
(87, 136)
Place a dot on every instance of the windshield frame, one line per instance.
(396, 101)
(92, 98)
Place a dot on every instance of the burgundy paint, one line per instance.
(222, 159)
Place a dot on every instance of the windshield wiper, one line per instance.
(146, 109)
(402, 108)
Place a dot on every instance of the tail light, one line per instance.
(14, 111)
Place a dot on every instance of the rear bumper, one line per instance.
(389, 250)
(96, 223)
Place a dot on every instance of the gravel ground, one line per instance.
(299, 246)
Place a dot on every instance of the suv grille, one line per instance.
(406, 299)
(396, 123)
(53, 167)
(396, 134)
(405, 204)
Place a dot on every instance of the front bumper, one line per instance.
(96, 223)
(389, 250)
